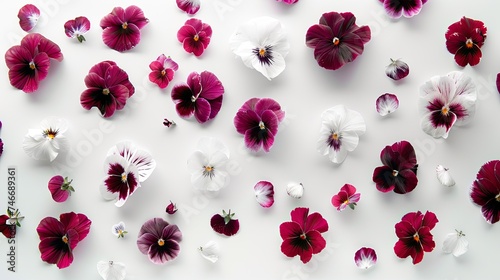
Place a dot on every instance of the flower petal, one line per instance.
(365, 258)
(387, 103)
(111, 270)
(264, 193)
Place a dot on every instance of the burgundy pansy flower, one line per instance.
(58, 238)
(122, 27)
(347, 196)
(159, 240)
(406, 8)
(225, 224)
(28, 17)
(415, 237)
(171, 208)
(194, 36)
(29, 62)
(60, 188)
(464, 39)
(7, 229)
(399, 172)
(258, 121)
(108, 88)
(485, 191)
(337, 39)
(75, 28)
(162, 70)
(302, 236)
(201, 96)
(189, 6)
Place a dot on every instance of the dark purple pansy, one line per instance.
(189, 6)
(159, 240)
(28, 17)
(406, 8)
(225, 224)
(337, 39)
(399, 170)
(122, 28)
(162, 70)
(60, 188)
(194, 36)
(485, 191)
(464, 39)
(76, 28)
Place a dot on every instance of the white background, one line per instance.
(304, 90)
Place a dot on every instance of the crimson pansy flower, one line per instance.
(122, 27)
(485, 191)
(75, 28)
(258, 121)
(302, 236)
(162, 70)
(194, 36)
(347, 196)
(159, 240)
(108, 88)
(337, 39)
(201, 96)
(58, 238)
(29, 62)
(28, 17)
(464, 39)
(399, 172)
(406, 8)
(189, 6)
(415, 237)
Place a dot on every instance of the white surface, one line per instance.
(304, 90)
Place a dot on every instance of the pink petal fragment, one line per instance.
(264, 193)
(365, 258)
(387, 103)
(28, 17)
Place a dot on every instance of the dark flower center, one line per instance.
(208, 171)
(334, 140)
(125, 25)
(395, 173)
(124, 177)
(303, 236)
(105, 91)
(416, 237)
(32, 65)
(50, 133)
(264, 54)
(196, 38)
(262, 126)
(161, 242)
(469, 43)
(163, 72)
(65, 239)
(336, 41)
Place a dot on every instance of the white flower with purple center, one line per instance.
(119, 230)
(48, 141)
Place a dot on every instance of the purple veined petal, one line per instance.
(397, 70)
(189, 6)
(387, 103)
(365, 258)
(135, 15)
(28, 17)
(264, 193)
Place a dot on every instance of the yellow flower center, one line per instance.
(335, 136)
(262, 126)
(336, 41)
(163, 72)
(262, 52)
(208, 169)
(469, 43)
(395, 173)
(346, 202)
(32, 65)
(196, 38)
(445, 111)
(497, 197)
(125, 25)
(416, 237)
(124, 177)
(105, 91)
(49, 133)
(65, 239)
(161, 242)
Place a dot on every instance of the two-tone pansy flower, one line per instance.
(48, 141)
(191, 7)
(76, 28)
(464, 39)
(407, 8)
(159, 240)
(162, 70)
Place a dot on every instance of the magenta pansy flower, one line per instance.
(225, 224)
(122, 27)
(302, 236)
(347, 196)
(28, 17)
(58, 238)
(264, 193)
(464, 39)
(29, 62)
(415, 237)
(60, 188)
(399, 170)
(258, 120)
(337, 39)
(189, 6)
(159, 240)
(365, 258)
(194, 36)
(485, 191)
(201, 96)
(162, 70)
(108, 88)
(76, 28)
(406, 8)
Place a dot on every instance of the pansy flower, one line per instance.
(58, 238)
(464, 39)
(337, 39)
(264, 193)
(485, 191)
(225, 224)
(415, 237)
(207, 165)
(347, 196)
(387, 103)
(122, 27)
(48, 141)
(162, 70)
(365, 258)
(446, 101)
(76, 28)
(60, 188)
(194, 36)
(406, 8)
(302, 236)
(399, 170)
(201, 96)
(262, 44)
(108, 88)
(29, 62)
(119, 230)
(28, 17)
(159, 240)
(339, 132)
(258, 120)
(189, 6)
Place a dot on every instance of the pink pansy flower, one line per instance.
(159, 240)
(162, 70)
(464, 39)
(415, 237)
(347, 196)
(302, 236)
(485, 191)
(337, 39)
(60, 188)
(264, 193)
(29, 62)
(289, 2)
(406, 8)
(225, 224)
(58, 238)
(28, 17)
(195, 36)
(365, 258)
(122, 28)
(201, 96)
(189, 6)
(76, 28)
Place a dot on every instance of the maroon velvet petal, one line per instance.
(54, 185)
(145, 241)
(430, 220)
(292, 247)
(50, 48)
(405, 182)
(49, 227)
(383, 178)
(299, 215)
(215, 105)
(244, 121)
(202, 110)
(471, 56)
(264, 104)
(318, 33)
(426, 240)
(318, 243)
(121, 39)
(316, 222)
